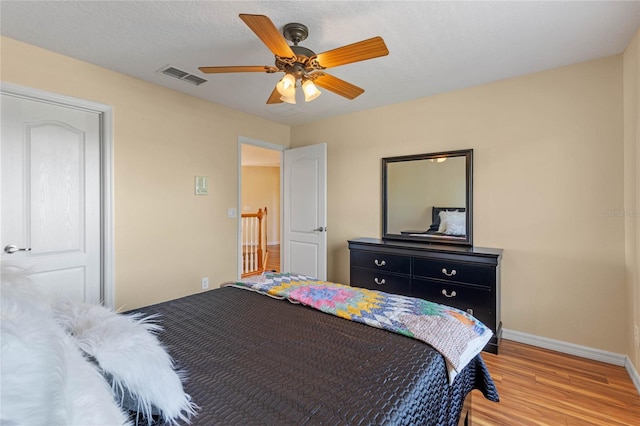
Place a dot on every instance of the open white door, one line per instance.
(304, 247)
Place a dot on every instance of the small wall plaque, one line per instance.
(202, 185)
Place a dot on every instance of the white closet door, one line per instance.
(50, 195)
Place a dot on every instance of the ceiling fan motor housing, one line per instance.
(295, 33)
(300, 64)
(303, 51)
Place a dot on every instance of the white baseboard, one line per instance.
(565, 347)
(633, 373)
(577, 350)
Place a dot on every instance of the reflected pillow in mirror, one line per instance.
(444, 214)
(452, 223)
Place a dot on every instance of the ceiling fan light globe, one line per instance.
(310, 91)
(287, 86)
(289, 99)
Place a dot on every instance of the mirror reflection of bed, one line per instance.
(448, 222)
(418, 191)
(428, 197)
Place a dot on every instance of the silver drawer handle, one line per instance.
(453, 293)
(449, 274)
(379, 282)
(379, 263)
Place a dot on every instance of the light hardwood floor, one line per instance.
(273, 258)
(543, 387)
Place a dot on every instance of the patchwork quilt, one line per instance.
(458, 336)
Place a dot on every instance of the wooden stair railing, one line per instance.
(254, 242)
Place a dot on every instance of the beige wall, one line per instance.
(549, 177)
(166, 238)
(260, 189)
(631, 69)
(548, 167)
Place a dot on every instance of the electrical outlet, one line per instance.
(205, 283)
(636, 335)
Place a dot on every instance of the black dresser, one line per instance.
(466, 278)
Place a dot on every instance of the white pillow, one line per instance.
(453, 223)
(130, 355)
(443, 221)
(45, 378)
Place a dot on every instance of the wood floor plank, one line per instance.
(540, 387)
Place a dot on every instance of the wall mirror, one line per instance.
(428, 197)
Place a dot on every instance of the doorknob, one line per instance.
(320, 229)
(12, 249)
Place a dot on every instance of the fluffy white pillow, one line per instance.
(132, 358)
(45, 378)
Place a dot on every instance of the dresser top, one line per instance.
(428, 247)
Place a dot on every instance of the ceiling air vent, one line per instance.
(194, 80)
(171, 71)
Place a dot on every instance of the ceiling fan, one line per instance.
(300, 63)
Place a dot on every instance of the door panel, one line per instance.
(51, 195)
(304, 256)
(305, 211)
(305, 174)
(55, 155)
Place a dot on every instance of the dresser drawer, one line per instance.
(414, 269)
(381, 261)
(380, 280)
(474, 300)
(454, 271)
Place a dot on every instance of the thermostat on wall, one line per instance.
(202, 185)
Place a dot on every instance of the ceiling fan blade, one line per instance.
(337, 86)
(363, 50)
(257, 68)
(274, 98)
(269, 34)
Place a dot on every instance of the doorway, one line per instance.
(302, 205)
(260, 204)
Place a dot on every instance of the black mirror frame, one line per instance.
(468, 240)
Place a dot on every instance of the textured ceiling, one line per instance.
(435, 46)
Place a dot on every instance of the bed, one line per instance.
(252, 359)
(454, 224)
